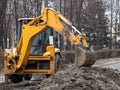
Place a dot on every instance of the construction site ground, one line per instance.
(104, 75)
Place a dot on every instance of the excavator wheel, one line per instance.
(27, 76)
(57, 62)
(48, 75)
(84, 57)
(16, 78)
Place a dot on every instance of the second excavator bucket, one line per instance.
(84, 57)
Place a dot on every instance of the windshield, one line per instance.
(40, 42)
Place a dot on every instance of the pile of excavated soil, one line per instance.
(76, 78)
(83, 78)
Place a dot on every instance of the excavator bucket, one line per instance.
(84, 57)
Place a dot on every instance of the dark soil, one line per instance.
(73, 78)
(83, 78)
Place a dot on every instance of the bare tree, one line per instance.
(3, 4)
(86, 15)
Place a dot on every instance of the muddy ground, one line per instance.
(73, 78)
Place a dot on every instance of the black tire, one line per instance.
(48, 75)
(27, 76)
(16, 78)
(57, 63)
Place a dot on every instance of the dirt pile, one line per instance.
(72, 78)
(82, 78)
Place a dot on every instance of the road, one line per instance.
(109, 63)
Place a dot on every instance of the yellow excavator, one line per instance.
(37, 52)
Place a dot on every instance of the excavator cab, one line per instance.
(41, 41)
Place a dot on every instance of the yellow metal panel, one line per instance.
(47, 53)
(57, 50)
(37, 71)
(38, 58)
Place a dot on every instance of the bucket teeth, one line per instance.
(84, 57)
